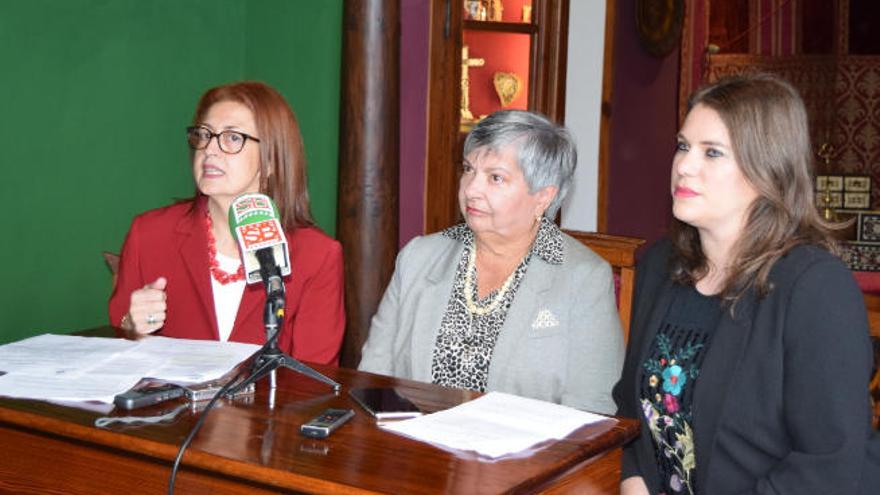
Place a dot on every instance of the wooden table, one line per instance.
(246, 446)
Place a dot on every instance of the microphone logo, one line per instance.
(260, 234)
(256, 226)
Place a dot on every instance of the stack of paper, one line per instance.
(66, 367)
(495, 424)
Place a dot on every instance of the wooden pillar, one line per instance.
(367, 215)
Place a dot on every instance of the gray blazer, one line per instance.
(561, 341)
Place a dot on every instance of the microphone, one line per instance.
(256, 227)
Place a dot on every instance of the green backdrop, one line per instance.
(94, 98)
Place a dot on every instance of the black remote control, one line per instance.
(323, 425)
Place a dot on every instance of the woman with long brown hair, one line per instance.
(181, 274)
(750, 357)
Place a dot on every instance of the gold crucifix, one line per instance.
(466, 62)
(826, 151)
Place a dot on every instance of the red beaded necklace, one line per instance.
(219, 275)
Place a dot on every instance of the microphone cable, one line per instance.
(201, 421)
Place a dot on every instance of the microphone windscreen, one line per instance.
(255, 225)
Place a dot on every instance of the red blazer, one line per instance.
(170, 242)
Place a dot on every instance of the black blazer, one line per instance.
(781, 403)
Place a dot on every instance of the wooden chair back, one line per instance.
(872, 305)
(112, 260)
(620, 253)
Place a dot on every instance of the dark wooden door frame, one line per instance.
(604, 168)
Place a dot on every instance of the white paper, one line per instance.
(58, 354)
(495, 424)
(70, 386)
(66, 367)
(186, 360)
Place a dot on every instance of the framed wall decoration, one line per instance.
(862, 252)
(848, 192)
(658, 25)
(862, 257)
(856, 200)
(836, 200)
(857, 183)
(834, 182)
(869, 227)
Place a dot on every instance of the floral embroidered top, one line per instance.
(667, 385)
(463, 350)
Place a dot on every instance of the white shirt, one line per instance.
(227, 297)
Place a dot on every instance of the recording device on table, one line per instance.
(155, 393)
(324, 424)
(147, 396)
(206, 391)
(385, 403)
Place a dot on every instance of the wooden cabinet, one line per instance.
(530, 53)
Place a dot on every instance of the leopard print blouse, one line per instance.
(463, 351)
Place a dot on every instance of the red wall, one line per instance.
(510, 53)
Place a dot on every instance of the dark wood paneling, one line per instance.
(605, 118)
(601, 476)
(444, 97)
(367, 218)
(549, 58)
(34, 462)
(503, 27)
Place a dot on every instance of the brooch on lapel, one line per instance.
(545, 319)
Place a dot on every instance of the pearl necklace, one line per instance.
(469, 288)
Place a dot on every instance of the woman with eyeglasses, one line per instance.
(180, 273)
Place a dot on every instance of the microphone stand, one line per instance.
(270, 357)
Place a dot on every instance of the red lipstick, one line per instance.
(684, 192)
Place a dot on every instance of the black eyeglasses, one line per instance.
(230, 142)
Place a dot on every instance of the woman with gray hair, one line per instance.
(505, 301)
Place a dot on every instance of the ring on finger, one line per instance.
(151, 319)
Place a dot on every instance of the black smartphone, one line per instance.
(148, 396)
(323, 425)
(385, 403)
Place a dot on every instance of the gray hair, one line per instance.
(546, 152)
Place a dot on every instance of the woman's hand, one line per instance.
(146, 313)
(634, 485)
